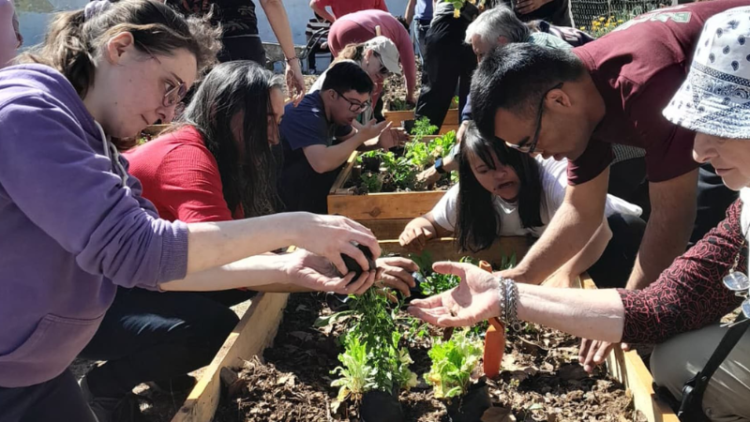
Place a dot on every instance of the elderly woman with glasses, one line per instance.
(379, 57)
(680, 312)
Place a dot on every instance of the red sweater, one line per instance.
(689, 294)
(181, 177)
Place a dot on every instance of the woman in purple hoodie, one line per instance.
(73, 223)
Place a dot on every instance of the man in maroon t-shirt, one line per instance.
(577, 104)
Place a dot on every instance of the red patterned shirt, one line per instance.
(689, 294)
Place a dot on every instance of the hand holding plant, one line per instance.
(315, 272)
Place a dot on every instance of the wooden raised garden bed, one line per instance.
(451, 121)
(243, 353)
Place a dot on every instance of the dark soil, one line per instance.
(541, 378)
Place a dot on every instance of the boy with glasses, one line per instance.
(318, 136)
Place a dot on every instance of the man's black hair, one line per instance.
(346, 76)
(515, 77)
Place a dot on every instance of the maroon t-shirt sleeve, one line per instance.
(689, 294)
(670, 148)
(593, 161)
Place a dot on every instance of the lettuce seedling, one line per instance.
(453, 362)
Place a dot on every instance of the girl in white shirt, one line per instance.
(507, 193)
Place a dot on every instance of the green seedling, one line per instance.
(453, 362)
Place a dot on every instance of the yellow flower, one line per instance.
(601, 19)
(620, 21)
(583, 28)
(456, 13)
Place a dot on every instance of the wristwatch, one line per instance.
(439, 165)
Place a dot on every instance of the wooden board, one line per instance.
(629, 369)
(255, 331)
(445, 249)
(384, 205)
(388, 228)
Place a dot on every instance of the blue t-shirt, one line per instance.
(423, 11)
(306, 125)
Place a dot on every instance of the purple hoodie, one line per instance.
(73, 226)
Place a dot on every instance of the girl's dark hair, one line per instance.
(73, 41)
(477, 222)
(247, 166)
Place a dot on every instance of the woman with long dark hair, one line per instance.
(505, 193)
(214, 165)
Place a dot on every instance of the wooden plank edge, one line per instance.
(344, 173)
(384, 205)
(255, 331)
(628, 368)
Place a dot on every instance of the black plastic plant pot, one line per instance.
(472, 405)
(371, 164)
(353, 266)
(408, 125)
(379, 406)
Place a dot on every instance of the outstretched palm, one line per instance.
(475, 299)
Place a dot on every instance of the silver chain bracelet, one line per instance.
(508, 290)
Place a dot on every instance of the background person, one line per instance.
(503, 192)
(317, 137)
(359, 27)
(342, 8)
(240, 36)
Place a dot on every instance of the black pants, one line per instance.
(449, 62)
(616, 263)
(713, 200)
(243, 48)
(303, 189)
(58, 399)
(151, 336)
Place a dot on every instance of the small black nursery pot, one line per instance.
(408, 125)
(371, 164)
(379, 406)
(353, 266)
(472, 405)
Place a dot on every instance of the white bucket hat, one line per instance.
(387, 51)
(715, 98)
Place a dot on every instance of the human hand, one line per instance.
(373, 129)
(415, 237)
(314, 272)
(396, 273)
(475, 299)
(527, 6)
(295, 82)
(593, 353)
(393, 137)
(429, 176)
(331, 236)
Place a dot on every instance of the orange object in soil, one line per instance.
(494, 340)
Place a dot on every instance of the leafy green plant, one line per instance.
(373, 358)
(371, 181)
(422, 128)
(356, 373)
(398, 104)
(453, 362)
